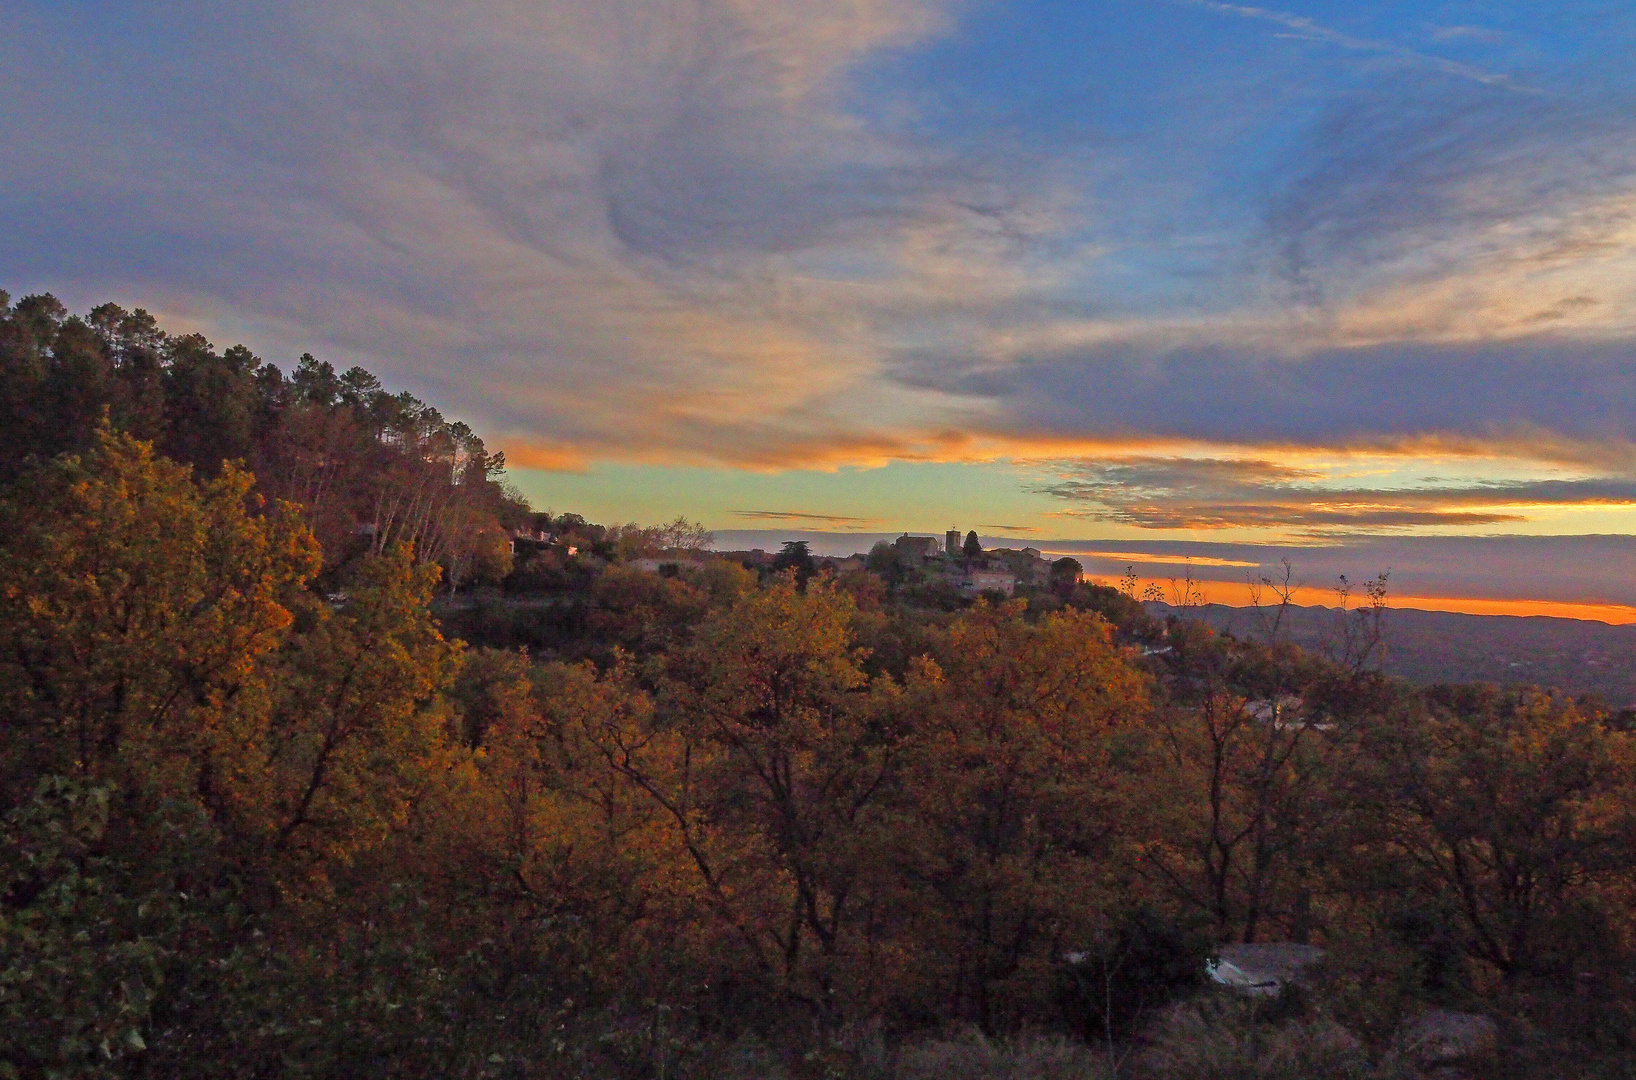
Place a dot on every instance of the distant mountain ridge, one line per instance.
(1575, 655)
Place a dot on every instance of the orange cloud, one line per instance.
(791, 515)
(546, 457)
(1140, 557)
(1241, 594)
(773, 448)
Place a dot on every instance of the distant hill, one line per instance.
(1437, 646)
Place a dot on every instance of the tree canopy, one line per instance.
(369, 469)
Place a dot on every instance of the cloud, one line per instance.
(1310, 30)
(1537, 400)
(545, 457)
(1313, 520)
(607, 226)
(1561, 569)
(1183, 493)
(1470, 33)
(1150, 558)
(1413, 184)
(1442, 266)
(791, 515)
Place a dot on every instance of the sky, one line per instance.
(1348, 284)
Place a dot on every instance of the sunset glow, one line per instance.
(1239, 594)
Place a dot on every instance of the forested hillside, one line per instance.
(369, 469)
(1574, 655)
(636, 810)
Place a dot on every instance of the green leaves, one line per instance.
(83, 937)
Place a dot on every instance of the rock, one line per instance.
(1441, 1037)
(1263, 969)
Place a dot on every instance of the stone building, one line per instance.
(923, 547)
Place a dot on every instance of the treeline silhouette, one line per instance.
(727, 820)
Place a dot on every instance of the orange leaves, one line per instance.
(356, 732)
(137, 605)
(1060, 673)
(832, 838)
(739, 804)
(1512, 805)
(147, 639)
(773, 710)
(1008, 798)
(593, 809)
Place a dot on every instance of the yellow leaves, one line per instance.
(1056, 684)
(723, 580)
(643, 613)
(726, 810)
(356, 732)
(1511, 805)
(591, 811)
(779, 662)
(145, 638)
(491, 692)
(136, 604)
(1004, 805)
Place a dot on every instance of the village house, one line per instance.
(656, 565)
(1030, 566)
(525, 541)
(997, 569)
(983, 580)
(922, 547)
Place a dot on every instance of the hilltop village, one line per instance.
(962, 565)
(954, 566)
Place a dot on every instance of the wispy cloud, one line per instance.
(1467, 33)
(1181, 493)
(1150, 558)
(1560, 569)
(1311, 30)
(791, 515)
(626, 216)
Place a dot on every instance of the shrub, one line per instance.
(1229, 1037)
(977, 1058)
(1145, 961)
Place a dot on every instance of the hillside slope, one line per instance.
(1436, 646)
